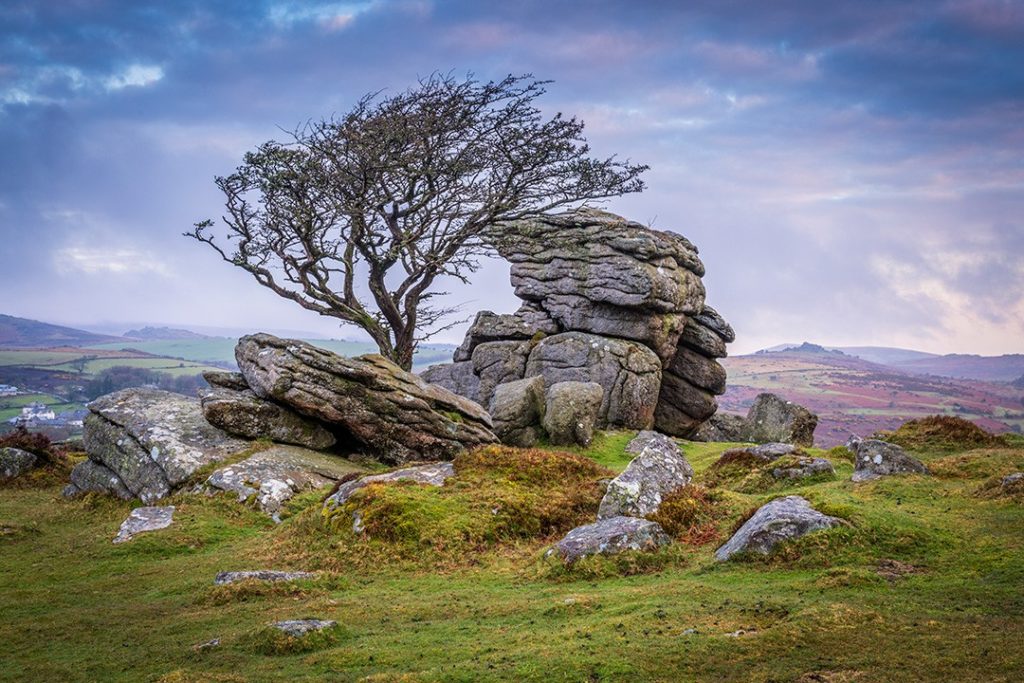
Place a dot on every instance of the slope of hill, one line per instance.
(854, 396)
(162, 333)
(884, 355)
(18, 333)
(988, 368)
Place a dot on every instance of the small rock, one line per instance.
(145, 519)
(773, 419)
(772, 451)
(208, 645)
(571, 412)
(658, 469)
(780, 520)
(874, 458)
(15, 462)
(1011, 479)
(610, 536)
(433, 474)
(690, 632)
(269, 575)
(803, 468)
(300, 627)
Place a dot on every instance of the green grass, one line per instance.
(10, 406)
(77, 608)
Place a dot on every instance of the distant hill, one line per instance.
(855, 396)
(884, 355)
(21, 333)
(989, 368)
(163, 333)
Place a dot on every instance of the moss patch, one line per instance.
(942, 433)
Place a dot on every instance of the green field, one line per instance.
(222, 349)
(925, 585)
(10, 406)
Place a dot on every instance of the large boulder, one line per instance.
(272, 476)
(570, 412)
(146, 442)
(457, 378)
(393, 413)
(526, 323)
(596, 272)
(727, 427)
(658, 469)
(244, 414)
(497, 362)
(874, 458)
(517, 410)
(609, 537)
(782, 519)
(15, 462)
(773, 419)
(629, 372)
(682, 407)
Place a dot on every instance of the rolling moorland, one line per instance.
(922, 585)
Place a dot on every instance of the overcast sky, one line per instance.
(852, 172)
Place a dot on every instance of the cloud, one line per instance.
(134, 76)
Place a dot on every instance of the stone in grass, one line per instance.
(782, 519)
(658, 469)
(609, 537)
(803, 467)
(1011, 480)
(268, 575)
(875, 458)
(15, 462)
(434, 474)
(300, 627)
(145, 519)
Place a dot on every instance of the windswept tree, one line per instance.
(357, 217)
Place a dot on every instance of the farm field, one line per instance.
(924, 585)
(853, 396)
(10, 406)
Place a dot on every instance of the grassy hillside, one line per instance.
(22, 332)
(923, 586)
(854, 396)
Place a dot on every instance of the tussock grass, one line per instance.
(942, 433)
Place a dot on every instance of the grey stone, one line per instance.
(432, 474)
(713, 320)
(609, 537)
(396, 415)
(145, 519)
(297, 628)
(92, 477)
(244, 414)
(274, 475)
(267, 575)
(457, 378)
(225, 380)
(1011, 479)
(703, 340)
(499, 362)
(522, 325)
(682, 407)
(698, 370)
(152, 440)
(804, 468)
(772, 451)
(723, 427)
(782, 519)
(517, 410)
(773, 419)
(658, 469)
(874, 458)
(571, 412)
(629, 373)
(15, 462)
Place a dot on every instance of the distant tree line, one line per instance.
(123, 376)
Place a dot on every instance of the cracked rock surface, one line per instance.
(658, 469)
(145, 519)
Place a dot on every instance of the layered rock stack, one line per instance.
(607, 301)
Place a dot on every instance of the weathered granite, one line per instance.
(244, 414)
(265, 575)
(609, 537)
(874, 458)
(782, 519)
(571, 412)
(658, 469)
(145, 519)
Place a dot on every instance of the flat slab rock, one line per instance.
(658, 469)
(267, 575)
(145, 519)
(803, 468)
(146, 442)
(300, 627)
(609, 537)
(393, 413)
(433, 474)
(782, 519)
(244, 414)
(874, 458)
(278, 473)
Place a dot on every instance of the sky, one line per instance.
(852, 172)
